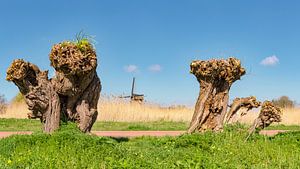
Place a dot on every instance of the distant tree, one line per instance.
(2, 104)
(284, 102)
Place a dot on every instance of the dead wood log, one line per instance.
(215, 78)
(269, 113)
(72, 95)
(247, 103)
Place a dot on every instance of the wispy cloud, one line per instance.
(270, 61)
(131, 68)
(155, 68)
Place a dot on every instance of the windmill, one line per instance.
(134, 97)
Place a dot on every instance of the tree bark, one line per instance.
(269, 113)
(72, 95)
(215, 78)
(234, 113)
(38, 92)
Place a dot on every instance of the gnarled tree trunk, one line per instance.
(72, 95)
(248, 103)
(269, 113)
(215, 78)
(40, 95)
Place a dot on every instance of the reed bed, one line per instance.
(120, 110)
(290, 116)
(16, 110)
(126, 111)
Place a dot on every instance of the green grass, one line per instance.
(35, 125)
(20, 125)
(283, 127)
(68, 148)
(131, 126)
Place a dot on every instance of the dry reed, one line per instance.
(290, 116)
(16, 110)
(119, 110)
(115, 109)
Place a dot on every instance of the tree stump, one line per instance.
(215, 78)
(248, 103)
(268, 114)
(72, 95)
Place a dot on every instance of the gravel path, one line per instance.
(138, 133)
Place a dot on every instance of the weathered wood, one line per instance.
(234, 113)
(72, 95)
(215, 78)
(76, 82)
(38, 92)
(269, 113)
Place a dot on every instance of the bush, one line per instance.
(284, 102)
(2, 104)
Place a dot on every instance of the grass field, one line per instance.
(35, 125)
(68, 148)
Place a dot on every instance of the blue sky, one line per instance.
(155, 41)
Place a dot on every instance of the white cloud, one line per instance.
(270, 61)
(155, 68)
(131, 68)
(51, 73)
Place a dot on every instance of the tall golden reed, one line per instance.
(115, 109)
(125, 111)
(120, 110)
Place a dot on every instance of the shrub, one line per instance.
(284, 102)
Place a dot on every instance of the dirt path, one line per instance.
(138, 133)
(4, 134)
